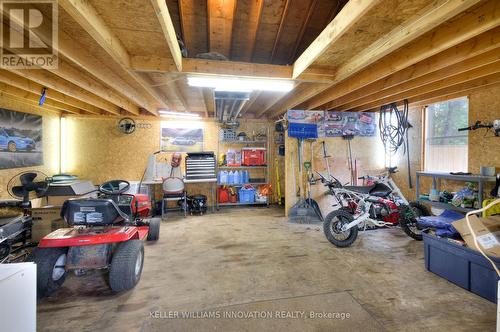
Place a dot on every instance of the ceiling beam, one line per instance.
(248, 105)
(30, 86)
(301, 92)
(83, 80)
(220, 25)
(22, 100)
(425, 20)
(87, 17)
(208, 97)
(472, 48)
(447, 73)
(36, 97)
(77, 54)
(310, 10)
(398, 95)
(472, 23)
(454, 90)
(280, 30)
(51, 81)
(352, 12)
(194, 25)
(160, 7)
(246, 23)
(215, 67)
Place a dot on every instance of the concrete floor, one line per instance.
(251, 262)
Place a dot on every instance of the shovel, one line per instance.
(302, 212)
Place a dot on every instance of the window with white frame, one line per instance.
(445, 147)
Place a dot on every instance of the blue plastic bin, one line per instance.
(303, 130)
(246, 195)
(462, 266)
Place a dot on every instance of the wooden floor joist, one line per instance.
(468, 25)
(481, 62)
(484, 43)
(400, 94)
(33, 87)
(13, 91)
(51, 81)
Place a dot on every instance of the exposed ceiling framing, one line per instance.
(122, 57)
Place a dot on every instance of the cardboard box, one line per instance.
(487, 231)
(45, 220)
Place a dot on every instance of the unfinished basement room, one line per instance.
(249, 165)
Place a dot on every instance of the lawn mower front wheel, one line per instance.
(126, 265)
(154, 229)
(51, 269)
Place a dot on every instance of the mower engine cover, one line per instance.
(92, 212)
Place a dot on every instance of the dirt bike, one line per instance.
(378, 204)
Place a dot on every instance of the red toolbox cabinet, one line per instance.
(253, 156)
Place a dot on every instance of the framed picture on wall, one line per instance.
(20, 139)
(181, 136)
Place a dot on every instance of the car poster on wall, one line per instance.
(181, 136)
(20, 139)
(349, 123)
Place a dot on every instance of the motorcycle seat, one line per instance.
(360, 189)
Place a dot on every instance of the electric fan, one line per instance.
(27, 186)
(126, 125)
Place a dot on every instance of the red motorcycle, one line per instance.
(378, 204)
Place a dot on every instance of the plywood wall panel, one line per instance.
(98, 152)
(50, 143)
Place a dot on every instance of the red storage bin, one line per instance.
(253, 156)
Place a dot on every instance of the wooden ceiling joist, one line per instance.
(209, 100)
(32, 103)
(427, 19)
(220, 25)
(400, 94)
(160, 7)
(77, 54)
(87, 17)
(456, 90)
(246, 24)
(27, 85)
(487, 42)
(85, 81)
(300, 93)
(448, 74)
(466, 26)
(350, 14)
(35, 98)
(194, 26)
(51, 81)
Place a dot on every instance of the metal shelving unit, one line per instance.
(265, 169)
(479, 179)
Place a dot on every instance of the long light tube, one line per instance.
(171, 114)
(239, 84)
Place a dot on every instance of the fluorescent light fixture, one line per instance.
(170, 114)
(239, 84)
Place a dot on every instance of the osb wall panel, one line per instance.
(97, 151)
(50, 143)
(369, 155)
(484, 150)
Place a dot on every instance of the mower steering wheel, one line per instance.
(114, 187)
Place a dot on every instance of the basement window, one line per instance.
(446, 148)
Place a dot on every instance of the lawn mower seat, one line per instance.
(92, 212)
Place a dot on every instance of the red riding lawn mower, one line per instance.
(105, 233)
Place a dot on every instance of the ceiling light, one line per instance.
(240, 84)
(170, 114)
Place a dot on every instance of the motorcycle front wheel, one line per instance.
(332, 227)
(408, 219)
